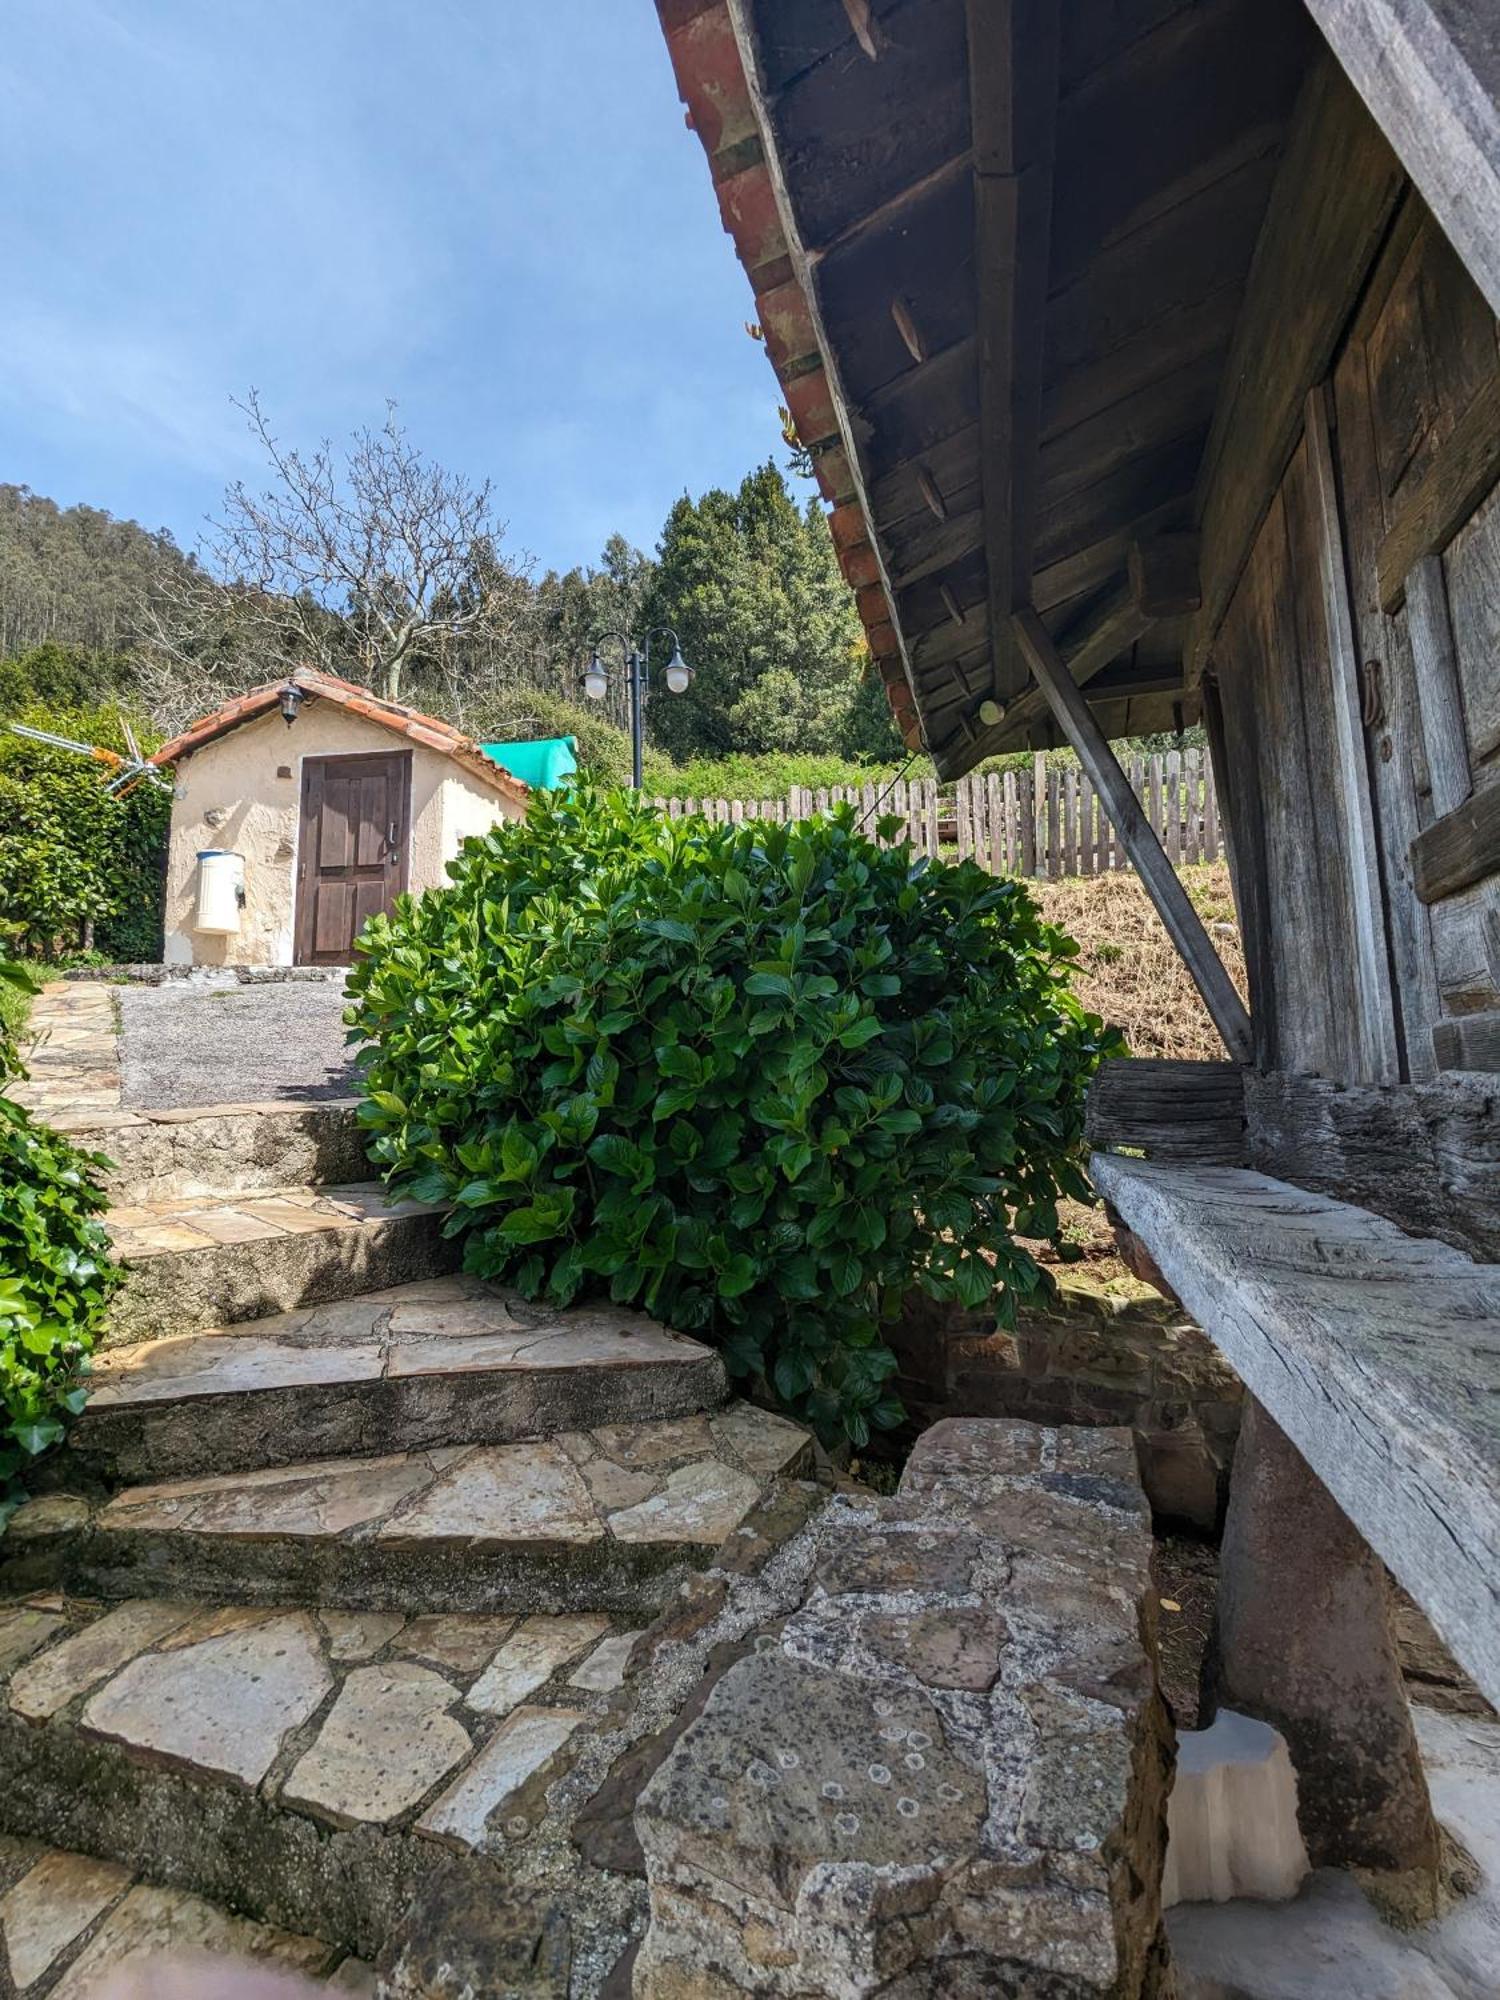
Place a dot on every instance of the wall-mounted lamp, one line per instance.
(291, 699)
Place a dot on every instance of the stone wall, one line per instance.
(1120, 1354)
(946, 1772)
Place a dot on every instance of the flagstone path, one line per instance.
(69, 1923)
(357, 1578)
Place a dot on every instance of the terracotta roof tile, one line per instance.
(428, 730)
(711, 82)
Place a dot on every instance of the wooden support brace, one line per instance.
(1460, 849)
(1183, 924)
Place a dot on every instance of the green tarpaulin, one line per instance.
(544, 765)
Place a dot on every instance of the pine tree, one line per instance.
(752, 587)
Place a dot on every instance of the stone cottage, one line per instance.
(304, 808)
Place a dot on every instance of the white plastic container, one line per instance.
(221, 891)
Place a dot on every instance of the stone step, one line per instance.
(448, 1361)
(70, 1921)
(223, 1149)
(306, 1766)
(450, 1794)
(601, 1520)
(215, 1261)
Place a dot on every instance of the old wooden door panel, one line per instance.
(1471, 567)
(1273, 668)
(1408, 383)
(1392, 722)
(355, 834)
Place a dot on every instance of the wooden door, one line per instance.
(352, 850)
(1418, 402)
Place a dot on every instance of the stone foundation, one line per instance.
(945, 1773)
(1122, 1355)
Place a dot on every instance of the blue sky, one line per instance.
(490, 211)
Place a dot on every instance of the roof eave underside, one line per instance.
(998, 254)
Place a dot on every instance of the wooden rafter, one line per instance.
(1013, 64)
(1162, 582)
(1087, 647)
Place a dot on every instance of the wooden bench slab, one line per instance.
(1376, 1352)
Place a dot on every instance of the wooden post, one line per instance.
(1210, 812)
(1380, 1053)
(1184, 926)
(1172, 806)
(1026, 822)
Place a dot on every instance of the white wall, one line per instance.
(244, 792)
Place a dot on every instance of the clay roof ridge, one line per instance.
(428, 730)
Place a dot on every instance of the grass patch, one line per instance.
(1127, 967)
(15, 1005)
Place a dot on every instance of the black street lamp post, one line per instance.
(637, 654)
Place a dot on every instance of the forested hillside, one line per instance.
(375, 563)
(76, 575)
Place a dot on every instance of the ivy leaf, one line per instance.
(529, 1225)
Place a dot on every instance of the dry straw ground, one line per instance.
(1128, 969)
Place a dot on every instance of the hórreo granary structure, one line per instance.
(1146, 353)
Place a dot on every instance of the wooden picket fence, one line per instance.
(1042, 820)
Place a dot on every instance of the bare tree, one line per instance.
(367, 563)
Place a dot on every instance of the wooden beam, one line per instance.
(1164, 574)
(742, 25)
(1332, 200)
(1380, 1051)
(1372, 1349)
(1461, 472)
(1469, 1042)
(1183, 924)
(1169, 1110)
(1460, 849)
(1424, 1155)
(1013, 67)
(1429, 70)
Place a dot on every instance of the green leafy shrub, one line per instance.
(78, 865)
(55, 1271)
(758, 1080)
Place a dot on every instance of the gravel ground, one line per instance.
(213, 1041)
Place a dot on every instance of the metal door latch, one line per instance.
(1372, 699)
